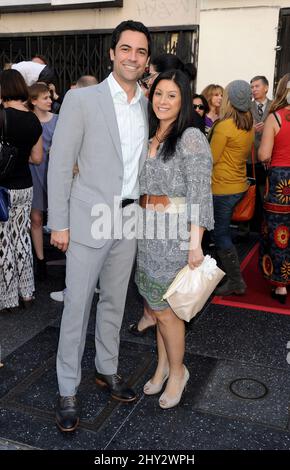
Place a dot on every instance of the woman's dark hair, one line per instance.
(165, 62)
(130, 25)
(184, 118)
(13, 86)
(204, 102)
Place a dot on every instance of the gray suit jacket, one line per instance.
(87, 134)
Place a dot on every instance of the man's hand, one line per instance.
(259, 127)
(60, 239)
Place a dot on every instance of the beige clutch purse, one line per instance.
(191, 288)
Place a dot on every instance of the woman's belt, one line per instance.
(162, 203)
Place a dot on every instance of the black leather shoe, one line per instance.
(133, 329)
(67, 414)
(280, 297)
(116, 386)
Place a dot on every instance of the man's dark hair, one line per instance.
(13, 86)
(262, 78)
(41, 57)
(130, 25)
(184, 118)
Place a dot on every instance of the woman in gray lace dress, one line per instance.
(177, 207)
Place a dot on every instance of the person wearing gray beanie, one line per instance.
(240, 95)
(231, 140)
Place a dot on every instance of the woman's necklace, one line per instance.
(159, 139)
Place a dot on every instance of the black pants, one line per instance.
(261, 176)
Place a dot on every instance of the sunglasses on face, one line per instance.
(198, 106)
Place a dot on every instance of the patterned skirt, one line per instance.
(275, 239)
(16, 263)
(160, 255)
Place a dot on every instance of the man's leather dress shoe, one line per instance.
(116, 386)
(67, 414)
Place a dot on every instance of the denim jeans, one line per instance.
(223, 208)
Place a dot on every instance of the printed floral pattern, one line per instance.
(285, 270)
(283, 191)
(281, 236)
(275, 240)
(267, 265)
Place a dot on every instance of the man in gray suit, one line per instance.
(103, 129)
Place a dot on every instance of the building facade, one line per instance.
(226, 39)
(76, 41)
(239, 39)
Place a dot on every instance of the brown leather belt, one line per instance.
(153, 202)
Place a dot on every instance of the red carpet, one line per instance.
(257, 296)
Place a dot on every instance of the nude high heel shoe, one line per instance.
(151, 389)
(166, 402)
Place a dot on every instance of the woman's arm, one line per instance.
(218, 142)
(195, 254)
(270, 130)
(197, 166)
(36, 152)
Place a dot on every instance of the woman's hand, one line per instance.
(266, 165)
(195, 257)
(75, 170)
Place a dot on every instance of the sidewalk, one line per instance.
(11, 445)
(237, 396)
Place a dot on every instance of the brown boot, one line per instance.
(234, 283)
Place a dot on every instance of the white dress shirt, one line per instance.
(130, 119)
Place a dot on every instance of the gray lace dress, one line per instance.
(162, 243)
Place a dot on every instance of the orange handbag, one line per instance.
(244, 210)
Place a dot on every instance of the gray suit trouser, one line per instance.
(112, 265)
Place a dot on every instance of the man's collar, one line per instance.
(262, 102)
(118, 91)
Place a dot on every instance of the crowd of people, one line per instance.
(136, 149)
